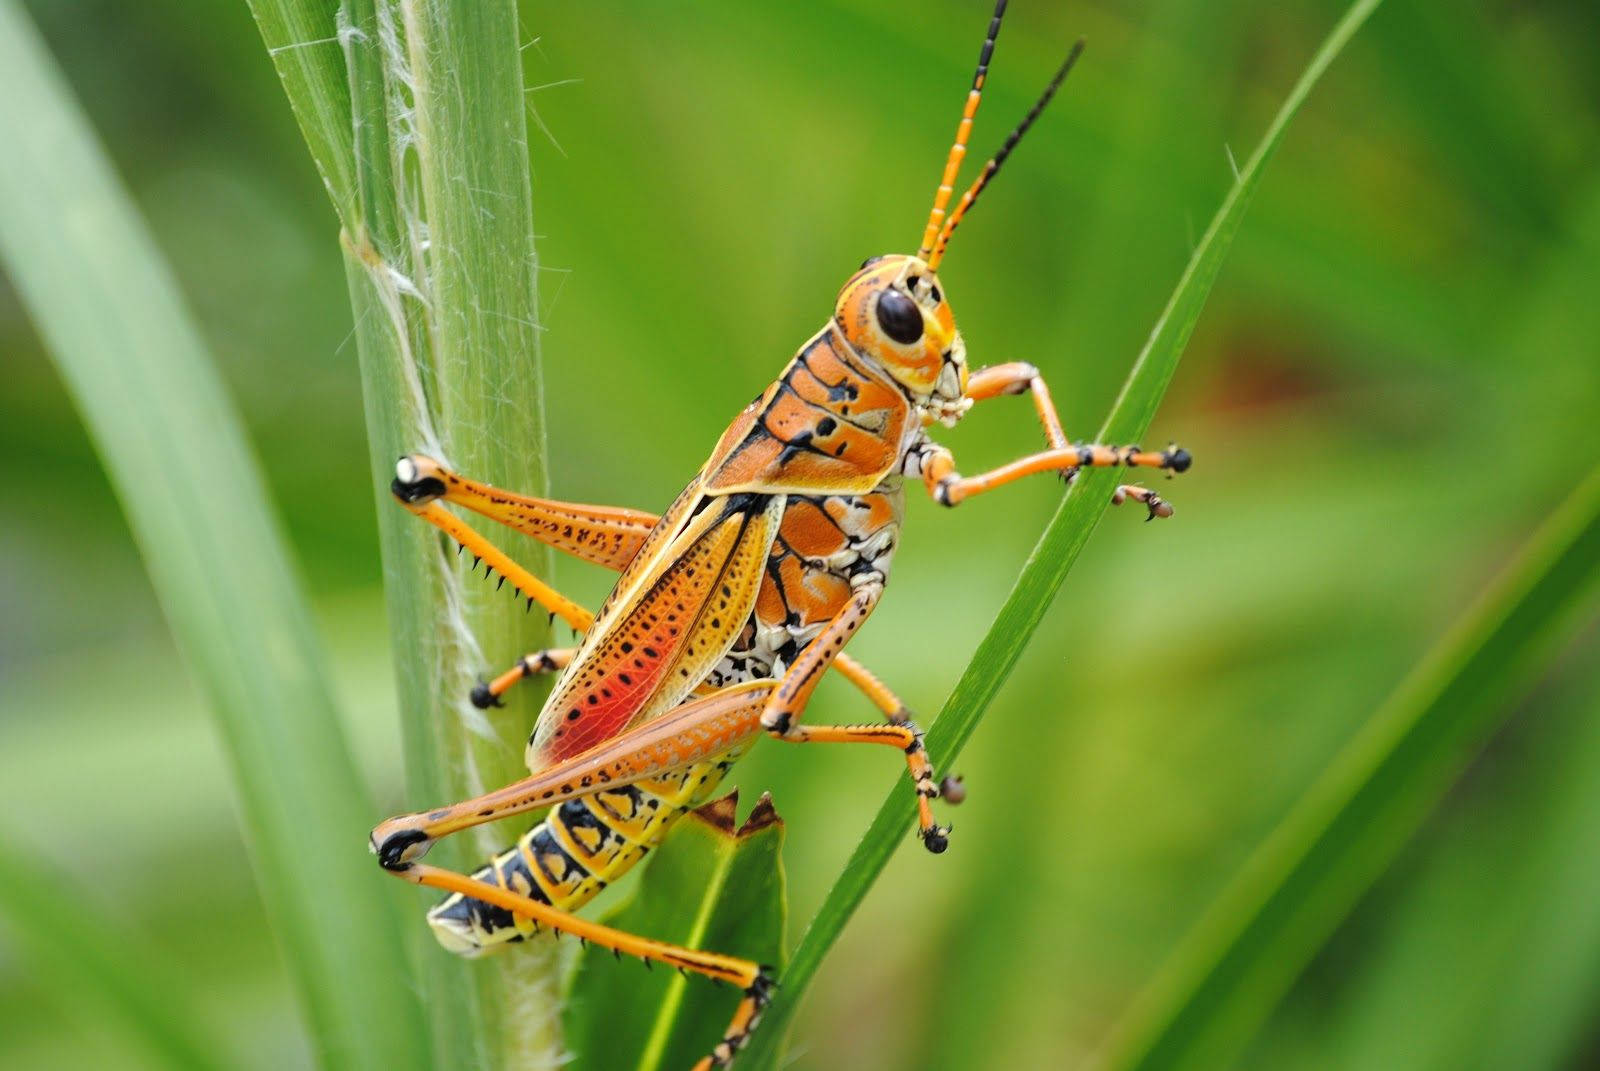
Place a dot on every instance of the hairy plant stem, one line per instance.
(436, 206)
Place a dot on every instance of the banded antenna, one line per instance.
(958, 150)
(936, 236)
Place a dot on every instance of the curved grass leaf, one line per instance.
(710, 887)
(1495, 861)
(101, 295)
(1236, 963)
(1051, 559)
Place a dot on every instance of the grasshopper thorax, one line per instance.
(894, 314)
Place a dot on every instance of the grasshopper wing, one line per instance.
(674, 613)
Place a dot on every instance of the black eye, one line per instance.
(899, 317)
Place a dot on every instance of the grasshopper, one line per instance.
(731, 604)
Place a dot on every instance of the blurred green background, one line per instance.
(1397, 377)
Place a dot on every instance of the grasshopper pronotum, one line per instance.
(731, 604)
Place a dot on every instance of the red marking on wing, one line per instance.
(671, 623)
(625, 669)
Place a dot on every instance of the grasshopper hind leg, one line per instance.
(754, 979)
(564, 861)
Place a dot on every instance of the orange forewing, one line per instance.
(663, 628)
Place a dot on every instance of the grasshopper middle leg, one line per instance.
(781, 715)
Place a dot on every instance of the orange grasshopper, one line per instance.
(732, 604)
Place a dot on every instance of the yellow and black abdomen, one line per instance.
(581, 847)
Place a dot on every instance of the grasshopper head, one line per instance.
(893, 312)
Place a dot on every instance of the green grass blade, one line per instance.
(1229, 973)
(1053, 556)
(712, 887)
(1495, 861)
(303, 39)
(102, 972)
(1541, 1010)
(170, 439)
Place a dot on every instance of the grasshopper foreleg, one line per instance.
(948, 487)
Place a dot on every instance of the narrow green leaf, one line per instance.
(66, 947)
(1495, 861)
(1541, 1012)
(170, 439)
(1257, 936)
(1053, 556)
(710, 887)
(303, 39)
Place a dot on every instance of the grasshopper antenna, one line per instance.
(948, 227)
(958, 150)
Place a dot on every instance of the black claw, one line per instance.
(483, 698)
(761, 989)
(937, 839)
(1177, 459)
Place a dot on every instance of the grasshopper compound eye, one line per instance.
(899, 317)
